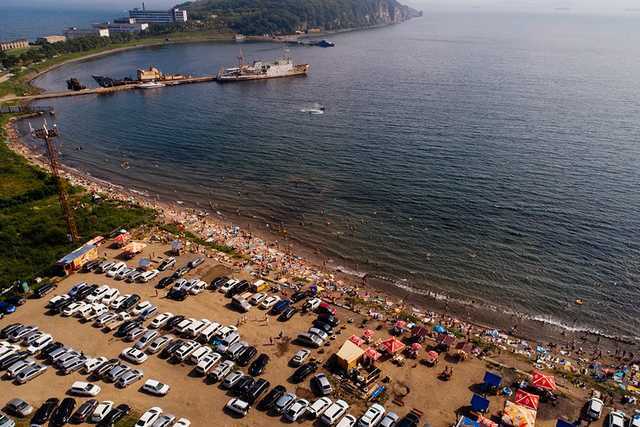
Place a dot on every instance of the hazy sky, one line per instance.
(541, 6)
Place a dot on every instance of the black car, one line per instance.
(287, 314)
(9, 328)
(409, 420)
(115, 415)
(238, 288)
(45, 352)
(323, 326)
(16, 300)
(164, 282)
(218, 282)
(173, 322)
(82, 293)
(259, 387)
(13, 359)
(258, 365)
(268, 401)
(129, 303)
(177, 294)
(171, 348)
(84, 411)
(61, 305)
(329, 319)
(246, 355)
(303, 372)
(299, 296)
(167, 263)
(245, 383)
(44, 290)
(44, 412)
(63, 412)
(126, 327)
(91, 265)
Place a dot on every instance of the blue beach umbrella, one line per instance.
(439, 329)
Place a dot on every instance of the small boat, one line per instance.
(151, 85)
(325, 43)
(315, 109)
(579, 301)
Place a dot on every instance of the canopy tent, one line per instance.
(518, 416)
(445, 341)
(528, 400)
(392, 345)
(432, 357)
(543, 381)
(439, 329)
(492, 379)
(400, 324)
(368, 333)
(416, 346)
(371, 354)
(349, 355)
(419, 333)
(479, 403)
(356, 340)
(121, 239)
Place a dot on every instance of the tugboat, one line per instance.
(282, 67)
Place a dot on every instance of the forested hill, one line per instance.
(288, 16)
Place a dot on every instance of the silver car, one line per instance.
(129, 377)
(116, 372)
(145, 339)
(30, 373)
(164, 420)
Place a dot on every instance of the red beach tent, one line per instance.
(372, 354)
(392, 345)
(416, 346)
(528, 400)
(356, 340)
(540, 380)
(368, 333)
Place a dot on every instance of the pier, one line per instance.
(107, 90)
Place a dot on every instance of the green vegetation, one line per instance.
(32, 228)
(288, 16)
(173, 229)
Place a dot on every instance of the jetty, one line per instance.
(107, 90)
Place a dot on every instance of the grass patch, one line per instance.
(32, 227)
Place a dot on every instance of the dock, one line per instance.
(107, 90)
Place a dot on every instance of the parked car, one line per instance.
(167, 263)
(158, 344)
(280, 306)
(259, 387)
(160, 320)
(220, 371)
(164, 420)
(300, 357)
(257, 366)
(156, 388)
(115, 415)
(182, 422)
(147, 276)
(329, 319)
(90, 365)
(271, 398)
(321, 384)
(148, 418)
(372, 416)
(246, 355)
(312, 304)
(334, 412)
(129, 377)
(82, 388)
(347, 421)
(269, 302)
(318, 407)
(44, 290)
(287, 314)
(84, 411)
(44, 412)
(594, 408)
(145, 339)
(309, 340)
(134, 355)
(616, 419)
(63, 412)
(5, 421)
(101, 411)
(412, 419)
(389, 420)
(238, 407)
(195, 262)
(296, 410)
(177, 294)
(18, 408)
(7, 308)
(231, 379)
(30, 373)
(283, 403)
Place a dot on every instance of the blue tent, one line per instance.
(439, 329)
(467, 422)
(479, 403)
(564, 423)
(492, 380)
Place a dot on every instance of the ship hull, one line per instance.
(301, 70)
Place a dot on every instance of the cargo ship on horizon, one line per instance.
(282, 67)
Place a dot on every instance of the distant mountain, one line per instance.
(288, 16)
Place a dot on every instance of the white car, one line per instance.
(129, 377)
(160, 320)
(300, 357)
(373, 416)
(318, 407)
(347, 421)
(616, 419)
(196, 327)
(122, 274)
(96, 310)
(207, 362)
(83, 311)
(197, 286)
(182, 422)
(30, 373)
(199, 354)
(73, 308)
(155, 388)
(116, 303)
(594, 408)
(97, 294)
(116, 268)
(110, 296)
(312, 304)
(158, 344)
(296, 410)
(228, 285)
(231, 379)
(57, 298)
(238, 407)
(142, 306)
(221, 371)
(257, 298)
(185, 350)
(146, 339)
(41, 342)
(134, 355)
(269, 302)
(92, 364)
(334, 412)
(101, 411)
(148, 418)
(82, 388)
(105, 318)
(183, 325)
(148, 275)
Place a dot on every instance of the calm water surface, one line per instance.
(492, 158)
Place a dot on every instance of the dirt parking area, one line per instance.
(203, 403)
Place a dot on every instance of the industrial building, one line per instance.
(123, 25)
(172, 16)
(51, 39)
(14, 44)
(74, 32)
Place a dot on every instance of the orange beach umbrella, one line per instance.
(528, 400)
(392, 345)
(540, 380)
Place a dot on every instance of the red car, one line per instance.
(326, 308)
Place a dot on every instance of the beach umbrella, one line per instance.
(392, 345)
(368, 333)
(528, 400)
(372, 354)
(543, 381)
(356, 340)
(439, 329)
(416, 346)
(400, 324)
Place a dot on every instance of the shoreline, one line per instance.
(441, 309)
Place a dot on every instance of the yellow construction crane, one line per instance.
(47, 135)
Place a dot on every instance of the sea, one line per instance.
(483, 158)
